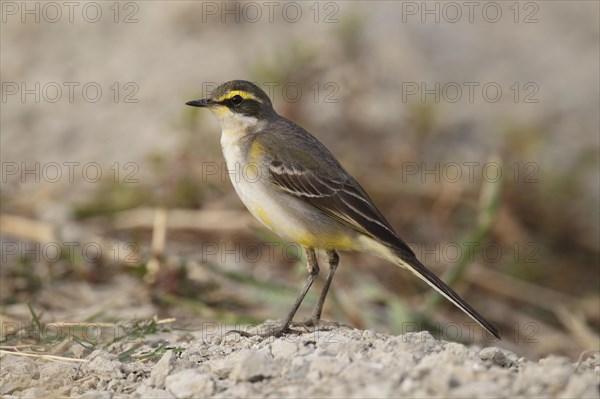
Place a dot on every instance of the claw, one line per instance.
(276, 331)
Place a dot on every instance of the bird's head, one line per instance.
(238, 103)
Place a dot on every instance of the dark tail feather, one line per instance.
(412, 263)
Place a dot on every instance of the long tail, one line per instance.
(410, 262)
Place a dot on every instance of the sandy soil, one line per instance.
(339, 363)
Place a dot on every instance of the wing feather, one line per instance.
(299, 165)
(344, 201)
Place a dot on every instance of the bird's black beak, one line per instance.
(200, 103)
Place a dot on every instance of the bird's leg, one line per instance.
(315, 319)
(312, 266)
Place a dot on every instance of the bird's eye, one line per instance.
(236, 100)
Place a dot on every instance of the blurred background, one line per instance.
(116, 204)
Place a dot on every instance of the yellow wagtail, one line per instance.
(300, 191)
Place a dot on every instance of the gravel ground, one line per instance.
(340, 363)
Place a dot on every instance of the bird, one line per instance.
(298, 189)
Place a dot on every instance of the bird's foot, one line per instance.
(273, 330)
(315, 324)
